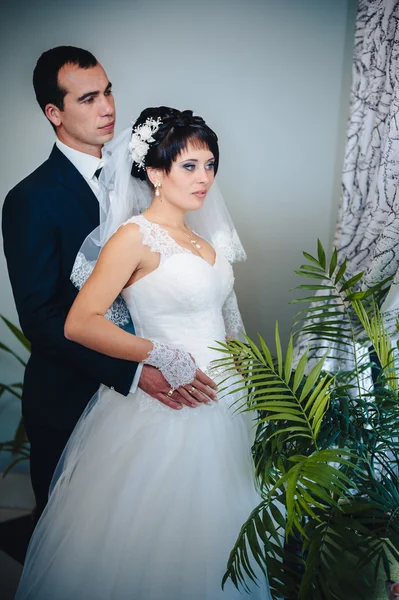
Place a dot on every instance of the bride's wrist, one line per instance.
(176, 365)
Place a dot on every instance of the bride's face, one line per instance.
(191, 176)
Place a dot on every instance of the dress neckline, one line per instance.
(187, 250)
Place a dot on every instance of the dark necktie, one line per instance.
(97, 173)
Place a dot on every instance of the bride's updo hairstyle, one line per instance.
(177, 130)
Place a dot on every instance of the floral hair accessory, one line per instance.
(141, 139)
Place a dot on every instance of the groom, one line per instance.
(46, 217)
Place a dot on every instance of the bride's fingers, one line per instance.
(205, 389)
(168, 401)
(205, 380)
(176, 400)
(196, 394)
(185, 393)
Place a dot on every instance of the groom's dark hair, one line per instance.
(45, 74)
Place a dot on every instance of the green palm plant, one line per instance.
(326, 449)
(18, 447)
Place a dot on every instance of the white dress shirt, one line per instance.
(87, 166)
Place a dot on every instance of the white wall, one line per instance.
(272, 78)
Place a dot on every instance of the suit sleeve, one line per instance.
(34, 264)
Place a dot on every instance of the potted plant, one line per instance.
(18, 446)
(326, 449)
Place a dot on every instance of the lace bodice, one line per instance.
(186, 301)
(181, 302)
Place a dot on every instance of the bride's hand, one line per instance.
(201, 389)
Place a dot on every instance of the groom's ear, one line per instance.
(155, 175)
(52, 112)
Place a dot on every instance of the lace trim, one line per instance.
(232, 317)
(176, 366)
(82, 269)
(157, 238)
(118, 313)
(229, 244)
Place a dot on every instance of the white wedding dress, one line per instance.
(149, 501)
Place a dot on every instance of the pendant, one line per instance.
(194, 243)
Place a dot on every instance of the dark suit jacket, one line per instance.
(46, 217)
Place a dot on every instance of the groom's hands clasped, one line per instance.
(200, 390)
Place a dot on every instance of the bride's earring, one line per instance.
(157, 192)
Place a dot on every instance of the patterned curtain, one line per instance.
(367, 232)
(368, 222)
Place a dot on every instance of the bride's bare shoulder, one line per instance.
(127, 236)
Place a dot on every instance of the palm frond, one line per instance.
(327, 443)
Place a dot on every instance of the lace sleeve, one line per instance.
(232, 318)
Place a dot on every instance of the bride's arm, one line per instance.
(86, 323)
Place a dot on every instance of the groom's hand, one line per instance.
(152, 382)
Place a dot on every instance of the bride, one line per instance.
(147, 501)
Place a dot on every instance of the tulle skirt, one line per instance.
(147, 505)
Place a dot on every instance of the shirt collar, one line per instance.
(86, 164)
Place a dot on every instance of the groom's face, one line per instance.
(88, 118)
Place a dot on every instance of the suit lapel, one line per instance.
(70, 177)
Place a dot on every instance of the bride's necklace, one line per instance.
(193, 241)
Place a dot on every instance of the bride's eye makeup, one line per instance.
(191, 166)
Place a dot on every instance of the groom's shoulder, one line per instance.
(44, 177)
